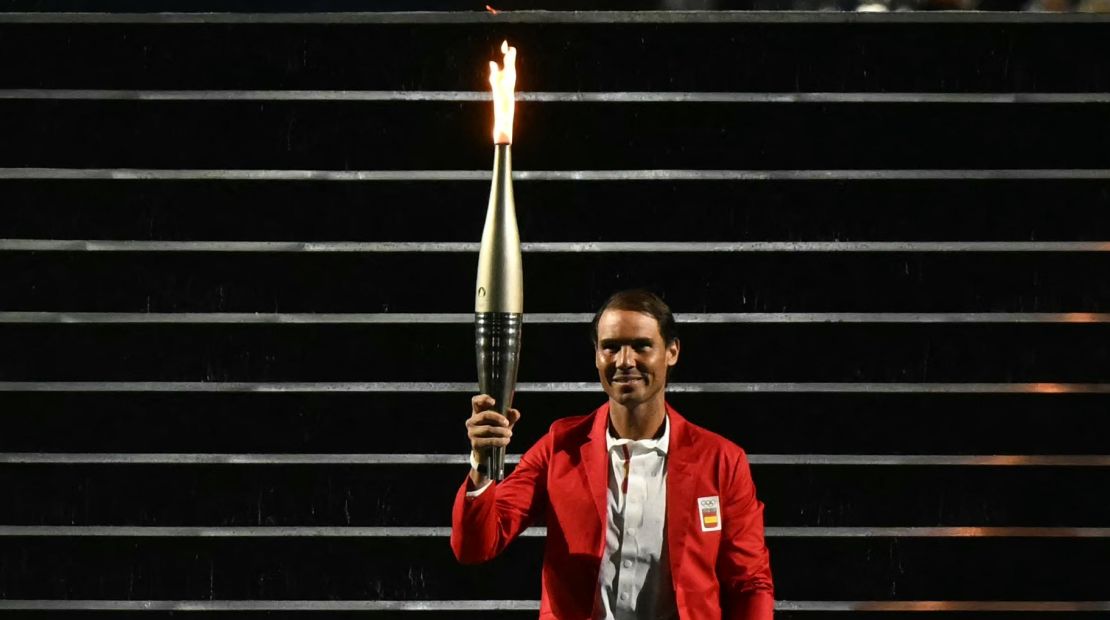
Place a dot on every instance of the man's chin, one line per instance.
(626, 394)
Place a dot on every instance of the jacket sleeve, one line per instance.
(482, 526)
(743, 564)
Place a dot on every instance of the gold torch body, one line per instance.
(499, 298)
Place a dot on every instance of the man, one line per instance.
(648, 515)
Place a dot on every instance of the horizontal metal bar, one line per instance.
(996, 460)
(87, 245)
(937, 532)
(534, 532)
(518, 605)
(274, 605)
(557, 17)
(144, 174)
(939, 606)
(401, 318)
(206, 458)
(147, 174)
(68, 94)
(551, 387)
(234, 532)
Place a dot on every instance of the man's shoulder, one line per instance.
(566, 434)
(712, 452)
(572, 425)
(562, 435)
(705, 441)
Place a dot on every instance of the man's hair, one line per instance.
(640, 300)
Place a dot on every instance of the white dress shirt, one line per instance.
(635, 576)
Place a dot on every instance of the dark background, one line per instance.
(208, 387)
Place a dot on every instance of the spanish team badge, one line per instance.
(710, 510)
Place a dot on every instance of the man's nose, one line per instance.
(626, 357)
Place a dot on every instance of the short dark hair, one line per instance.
(640, 300)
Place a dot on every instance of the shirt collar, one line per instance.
(662, 444)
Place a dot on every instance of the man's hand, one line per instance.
(487, 428)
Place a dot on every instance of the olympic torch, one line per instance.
(499, 295)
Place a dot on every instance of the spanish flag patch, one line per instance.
(710, 510)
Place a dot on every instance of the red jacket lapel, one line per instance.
(595, 458)
(680, 490)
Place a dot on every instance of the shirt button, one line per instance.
(628, 563)
(631, 531)
(624, 596)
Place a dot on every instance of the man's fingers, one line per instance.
(481, 402)
(490, 431)
(487, 428)
(487, 418)
(485, 435)
(490, 420)
(487, 432)
(488, 442)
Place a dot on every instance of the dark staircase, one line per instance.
(236, 273)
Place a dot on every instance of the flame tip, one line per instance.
(503, 82)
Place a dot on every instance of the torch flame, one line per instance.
(503, 81)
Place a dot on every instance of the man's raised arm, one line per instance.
(487, 515)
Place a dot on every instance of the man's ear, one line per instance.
(672, 352)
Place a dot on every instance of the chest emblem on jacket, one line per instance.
(710, 510)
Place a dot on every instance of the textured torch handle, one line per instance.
(497, 344)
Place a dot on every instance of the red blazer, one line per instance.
(564, 480)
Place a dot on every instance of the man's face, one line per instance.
(631, 357)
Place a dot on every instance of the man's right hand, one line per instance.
(487, 428)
